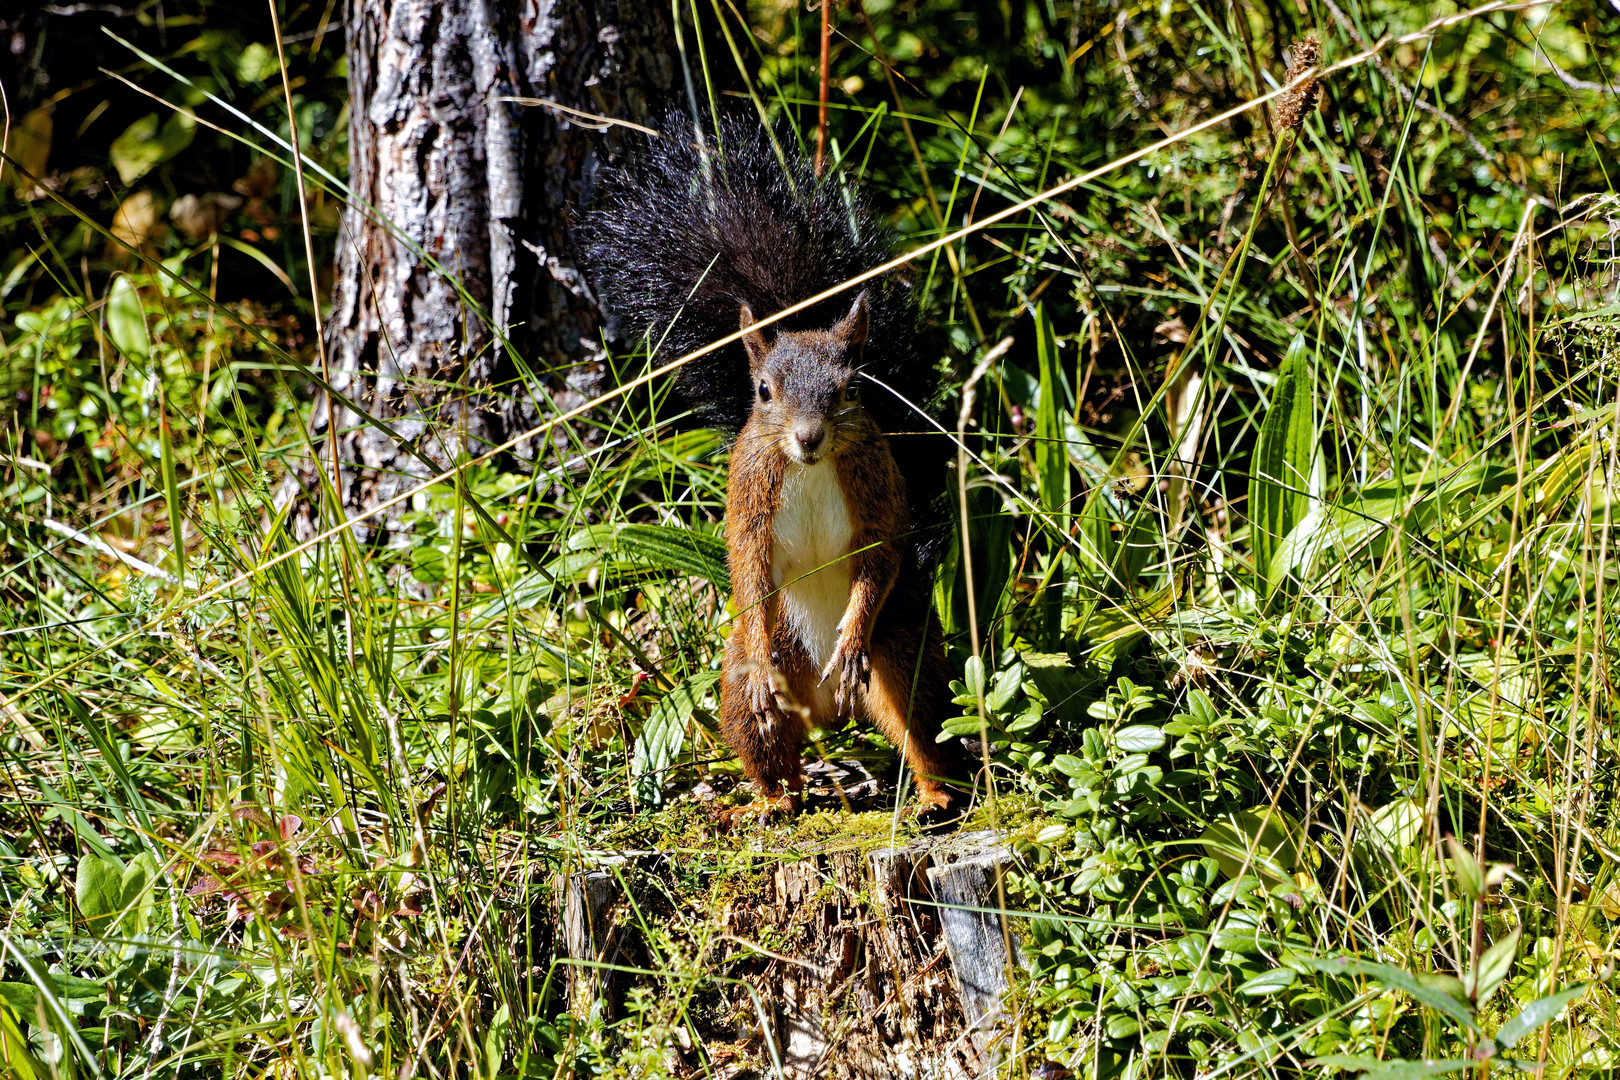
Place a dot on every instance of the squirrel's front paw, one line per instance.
(765, 701)
(851, 664)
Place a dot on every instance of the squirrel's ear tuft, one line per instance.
(753, 341)
(852, 327)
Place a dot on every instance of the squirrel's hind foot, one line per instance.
(938, 807)
(763, 807)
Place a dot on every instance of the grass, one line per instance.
(1291, 569)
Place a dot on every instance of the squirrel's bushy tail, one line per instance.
(679, 240)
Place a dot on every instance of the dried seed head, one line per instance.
(1296, 104)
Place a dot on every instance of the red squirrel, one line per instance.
(829, 572)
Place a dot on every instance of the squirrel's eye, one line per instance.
(852, 392)
(764, 391)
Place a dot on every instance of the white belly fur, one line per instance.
(812, 530)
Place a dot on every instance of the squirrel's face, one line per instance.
(807, 385)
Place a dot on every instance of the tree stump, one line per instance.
(895, 960)
(590, 936)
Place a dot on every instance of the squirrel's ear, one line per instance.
(753, 341)
(852, 327)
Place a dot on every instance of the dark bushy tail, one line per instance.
(680, 240)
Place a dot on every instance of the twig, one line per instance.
(1571, 81)
(98, 544)
(590, 120)
(826, 68)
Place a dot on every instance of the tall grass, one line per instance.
(1287, 528)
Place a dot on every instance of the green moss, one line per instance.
(835, 829)
(1014, 813)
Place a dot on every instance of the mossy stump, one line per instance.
(867, 963)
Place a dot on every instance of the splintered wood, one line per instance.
(891, 963)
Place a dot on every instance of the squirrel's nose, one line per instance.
(809, 438)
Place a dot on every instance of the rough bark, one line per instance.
(458, 316)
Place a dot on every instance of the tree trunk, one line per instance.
(458, 225)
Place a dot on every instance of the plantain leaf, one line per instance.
(135, 895)
(685, 551)
(126, 321)
(658, 547)
(22, 997)
(1051, 464)
(171, 493)
(1051, 448)
(1098, 547)
(1398, 825)
(663, 735)
(99, 892)
(1280, 480)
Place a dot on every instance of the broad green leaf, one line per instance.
(1470, 874)
(1538, 1012)
(1065, 690)
(973, 675)
(1069, 765)
(166, 731)
(1299, 549)
(22, 997)
(1280, 480)
(1493, 968)
(115, 898)
(1051, 452)
(1398, 825)
(1268, 982)
(663, 735)
(73, 988)
(1267, 840)
(1051, 465)
(15, 1056)
(1004, 687)
(659, 547)
(960, 725)
(99, 892)
(50, 1007)
(135, 895)
(256, 63)
(1139, 738)
(146, 144)
(1123, 1026)
(685, 551)
(126, 320)
(496, 1040)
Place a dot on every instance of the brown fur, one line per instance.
(889, 661)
